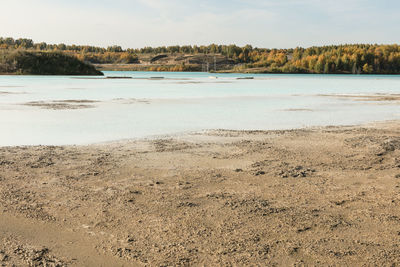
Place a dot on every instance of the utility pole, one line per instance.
(215, 63)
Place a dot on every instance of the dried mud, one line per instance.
(324, 196)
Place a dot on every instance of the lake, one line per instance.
(59, 110)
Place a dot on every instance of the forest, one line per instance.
(347, 58)
(24, 62)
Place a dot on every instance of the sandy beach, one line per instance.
(318, 196)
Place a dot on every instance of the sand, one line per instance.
(319, 196)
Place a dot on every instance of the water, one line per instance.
(143, 107)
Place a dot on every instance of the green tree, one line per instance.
(367, 68)
(326, 68)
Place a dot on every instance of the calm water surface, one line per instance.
(144, 107)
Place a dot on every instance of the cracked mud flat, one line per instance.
(129, 101)
(323, 196)
(62, 104)
(298, 109)
(11, 93)
(372, 98)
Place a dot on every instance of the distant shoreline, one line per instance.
(147, 68)
(329, 59)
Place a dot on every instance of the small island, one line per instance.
(21, 62)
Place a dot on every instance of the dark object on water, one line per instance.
(245, 78)
(118, 77)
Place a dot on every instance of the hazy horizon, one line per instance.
(140, 23)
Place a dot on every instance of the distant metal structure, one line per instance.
(205, 66)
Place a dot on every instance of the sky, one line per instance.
(261, 23)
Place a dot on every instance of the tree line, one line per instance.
(349, 58)
(359, 58)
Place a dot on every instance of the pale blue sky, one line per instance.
(261, 23)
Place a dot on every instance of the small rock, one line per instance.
(259, 173)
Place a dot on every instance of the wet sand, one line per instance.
(320, 196)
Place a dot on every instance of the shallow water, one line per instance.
(44, 109)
